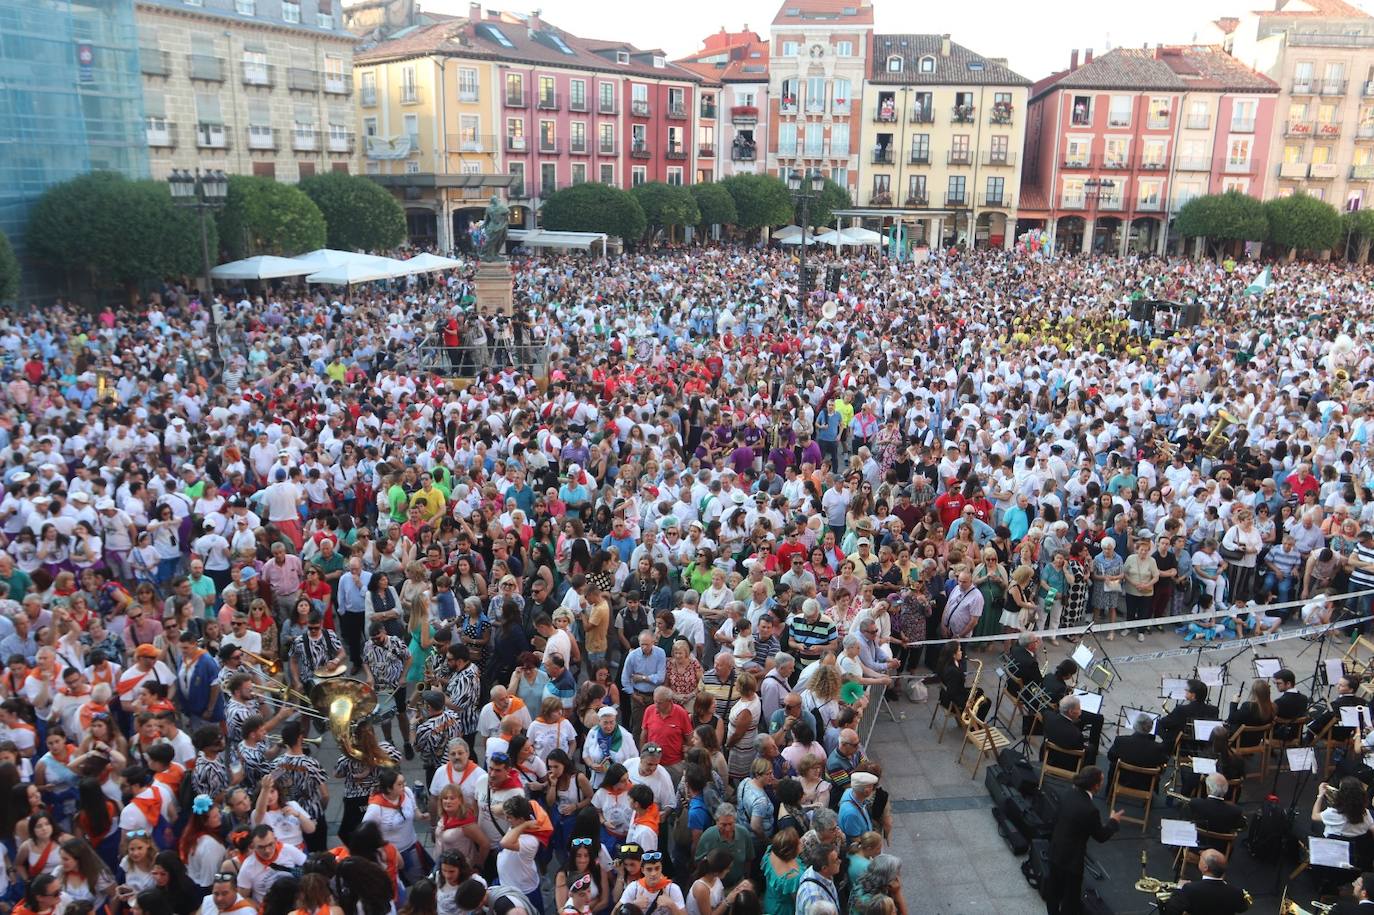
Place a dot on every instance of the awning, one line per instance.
(542, 238)
(350, 274)
(430, 263)
(262, 267)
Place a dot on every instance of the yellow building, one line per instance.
(942, 128)
(428, 118)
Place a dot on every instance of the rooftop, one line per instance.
(960, 66)
(805, 12)
(1329, 9)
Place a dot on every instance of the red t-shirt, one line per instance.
(668, 732)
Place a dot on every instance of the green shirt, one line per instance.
(334, 563)
(204, 587)
(19, 582)
(399, 501)
(741, 851)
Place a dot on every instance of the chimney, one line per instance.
(944, 45)
(1088, 56)
(474, 12)
(533, 21)
(1073, 60)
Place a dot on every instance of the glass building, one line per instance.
(71, 99)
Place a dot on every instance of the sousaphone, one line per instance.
(345, 703)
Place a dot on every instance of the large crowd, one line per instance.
(626, 617)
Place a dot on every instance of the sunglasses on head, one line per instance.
(137, 833)
(650, 857)
(225, 876)
(577, 843)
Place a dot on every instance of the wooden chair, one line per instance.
(988, 740)
(1294, 726)
(1051, 748)
(1323, 740)
(951, 714)
(1253, 740)
(1222, 841)
(1139, 794)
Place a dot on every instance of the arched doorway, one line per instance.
(422, 227)
(1107, 235)
(464, 218)
(1068, 234)
(1145, 233)
(991, 230)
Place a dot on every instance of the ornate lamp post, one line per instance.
(804, 191)
(204, 192)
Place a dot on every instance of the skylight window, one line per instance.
(558, 42)
(497, 36)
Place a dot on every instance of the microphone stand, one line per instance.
(1226, 675)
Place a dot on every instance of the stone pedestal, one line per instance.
(493, 287)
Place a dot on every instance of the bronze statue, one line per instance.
(494, 226)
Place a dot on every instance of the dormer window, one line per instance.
(894, 63)
(927, 65)
(622, 57)
(660, 62)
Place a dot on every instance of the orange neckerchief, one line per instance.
(543, 826)
(275, 852)
(172, 776)
(150, 807)
(381, 800)
(648, 818)
(66, 755)
(467, 770)
(653, 888)
(192, 656)
(102, 674)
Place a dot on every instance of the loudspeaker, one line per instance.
(832, 279)
(1016, 841)
(1192, 315)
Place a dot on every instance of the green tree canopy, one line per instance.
(1232, 216)
(832, 198)
(359, 214)
(263, 216)
(1360, 225)
(666, 205)
(118, 231)
(760, 200)
(1303, 223)
(9, 270)
(593, 207)
(714, 203)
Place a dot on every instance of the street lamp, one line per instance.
(204, 192)
(1096, 187)
(804, 191)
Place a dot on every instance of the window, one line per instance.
(548, 97)
(467, 84)
(916, 190)
(548, 178)
(1154, 153)
(996, 188)
(607, 173)
(957, 184)
(958, 147)
(844, 49)
(515, 89)
(840, 175)
(882, 185)
(469, 167)
(558, 42)
(367, 87)
(815, 94)
(605, 98)
(706, 137)
(324, 20)
(410, 92)
(579, 173)
(894, 63)
(1185, 191)
(814, 139)
(622, 57)
(334, 79)
(1193, 154)
(548, 137)
(789, 95)
(469, 133)
(1116, 152)
(256, 72)
(517, 171)
(639, 136)
(411, 126)
(1333, 81)
(577, 95)
(927, 65)
(839, 139)
(497, 36)
(577, 136)
(369, 127)
(840, 96)
(675, 176)
(606, 138)
(639, 93)
(660, 61)
(1321, 155)
(790, 48)
(1119, 112)
(1077, 150)
(999, 149)
(1240, 186)
(1160, 106)
(245, 7)
(637, 175)
(1292, 154)
(1238, 151)
(787, 140)
(515, 134)
(1243, 114)
(260, 133)
(291, 10)
(1302, 76)
(1073, 192)
(1148, 193)
(1199, 115)
(920, 149)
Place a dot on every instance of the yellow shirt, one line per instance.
(846, 411)
(431, 503)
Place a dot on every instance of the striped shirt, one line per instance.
(360, 778)
(302, 776)
(432, 737)
(1360, 579)
(386, 662)
(810, 635)
(209, 776)
(465, 695)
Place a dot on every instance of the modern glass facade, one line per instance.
(72, 99)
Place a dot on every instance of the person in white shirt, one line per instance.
(224, 898)
(393, 809)
(269, 862)
(247, 639)
(515, 863)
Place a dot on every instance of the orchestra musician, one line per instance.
(1346, 688)
(1214, 812)
(1211, 895)
(1024, 666)
(1138, 748)
(1064, 728)
(1289, 704)
(1193, 707)
(1361, 901)
(1059, 686)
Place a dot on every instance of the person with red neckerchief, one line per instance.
(269, 862)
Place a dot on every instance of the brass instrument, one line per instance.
(346, 704)
(1212, 444)
(332, 670)
(315, 741)
(1146, 883)
(272, 669)
(1163, 447)
(977, 701)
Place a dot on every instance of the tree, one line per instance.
(666, 206)
(359, 214)
(1360, 225)
(9, 271)
(714, 204)
(832, 198)
(760, 200)
(116, 230)
(1303, 223)
(593, 207)
(1223, 218)
(262, 216)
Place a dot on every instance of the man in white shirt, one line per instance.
(645, 770)
(224, 898)
(269, 862)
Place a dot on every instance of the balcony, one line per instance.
(1330, 40)
(1073, 201)
(706, 150)
(676, 151)
(515, 98)
(1000, 158)
(1077, 162)
(1001, 113)
(959, 157)
(1002, 200)
(1242, 125)
(639, 108)
(1362, 172)
(639, 151)
(885, 115)
(954, 199)
(579, 147)
(163, 135)
(338, 84)
(1081, 119)
(606, 148)
(299, 80)
(1298, 129)
(922, 114)
(1198, 122)
(961, 114)
(880, 199)
(257, 74)
(211, 136)
(919, 157)
(1158, 121)
(708, 111)
(1152, 205)
(547, 101)
(547, 189)
(815, 105)
(677, 112)
(1239, 166)
(1153, 165)
(1105, 202)
(883, 155)
(339, 143)
(744, 114)
(152, 62)
(742, 152)
(1194, 164)
(309, 140)
(470, 143)
(1333, 87)
(607, 106)
(840, 107)
(367, 96)
(467, 93)
(787, 105)
(205, 68)
(916, 200)
(516, 144)
(1293, 170)
(815, 151)
(262, 138)
(1323, 171)
(1116, 163)
(1364, 132)
(1328, 129)
(548, 145)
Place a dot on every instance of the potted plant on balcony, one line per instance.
(915, 200)
(882, 199)
(1001, 112)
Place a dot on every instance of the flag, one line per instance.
(1261, 285)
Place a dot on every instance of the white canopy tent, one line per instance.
(857, 235)
(322, 258)
(544, 238)
(352, 273)
(262, 267)
(430, 263)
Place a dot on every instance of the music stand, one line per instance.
(1036, 700)
(1102, 672)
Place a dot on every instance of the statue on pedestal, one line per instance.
(491, 235)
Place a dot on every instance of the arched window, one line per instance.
(927, 65)
(894, 63)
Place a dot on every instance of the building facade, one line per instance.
(1321, 54)
(253, 87)
(72, 100)
(734, 71)
(818, 54)
(943, 130)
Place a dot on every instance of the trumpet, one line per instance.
(267, 666)
(283, 696)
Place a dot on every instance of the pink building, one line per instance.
(1116, 145)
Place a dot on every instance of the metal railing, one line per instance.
(578, 147)
(995, 200)
(960, 157)
(305, 140)
(301, 80)
(338, 83)
(1333, 87)
(576, 103)
(922, 114)
(1006, 158)
(256, 74)
(884, 117)
(740, 153)
(676, 151)
(468, 361)
(639, 151)
(516, 144)
(548, 144)
(1362, 172)
(516, 99)
(1198, 121)
(337, 143)
(262, 139)
(639, 108)
(956, 200)
(919, 157)
(883, 156)
(548, 101)
(471, 143)
(367, 96)
(916, 200)
(163, 138)
(1194, 164)
(962, 114)
(211, 136)
(1242, 125)
(706, 150)
(677, 112)
(607, 106)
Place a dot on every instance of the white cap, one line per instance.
(104, 504)
(863, 779)
(80, 497)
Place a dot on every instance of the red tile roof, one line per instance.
(803, 12)
(1333, 9)
(1032, 197)
(1227, 24)
(1210, 67)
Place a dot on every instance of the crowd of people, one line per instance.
(626, 618)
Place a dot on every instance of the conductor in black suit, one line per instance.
(1211, 895)
(1079, 820)
(1139, 748)
(1362, 897)
(1193, 707)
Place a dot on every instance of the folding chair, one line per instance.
(1252, 740)
(1046, 768)
(1139, 794)
(1221, 841)
(988, 740)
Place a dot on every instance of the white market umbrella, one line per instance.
(349, 274)
(861, 236)
(262, 267)
(788, 233)
(830, 238)
(430, 263)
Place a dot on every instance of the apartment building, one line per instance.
(733, 66)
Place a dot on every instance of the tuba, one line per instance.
(346, 703)
(1213, 444)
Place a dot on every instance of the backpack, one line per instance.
(1268, 830)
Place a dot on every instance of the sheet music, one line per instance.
(1335, 669)
(1203, 728)
(1091, 702)
(1204, 766)
(1267, 667)
(1352, 716)
(1131, 714)
(1212, 676)
(1328, 852)
(1179, 832)
(1173, 688)
(1302, 759)
(1082, 656)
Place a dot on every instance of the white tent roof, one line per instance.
(830, 238)
(348, 274)
(543, 238)
(262, 267)
(787, 233)
(429, 263)
(857, 235)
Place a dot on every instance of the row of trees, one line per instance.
(120, 232)
(747, 202)
(1299, 223)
